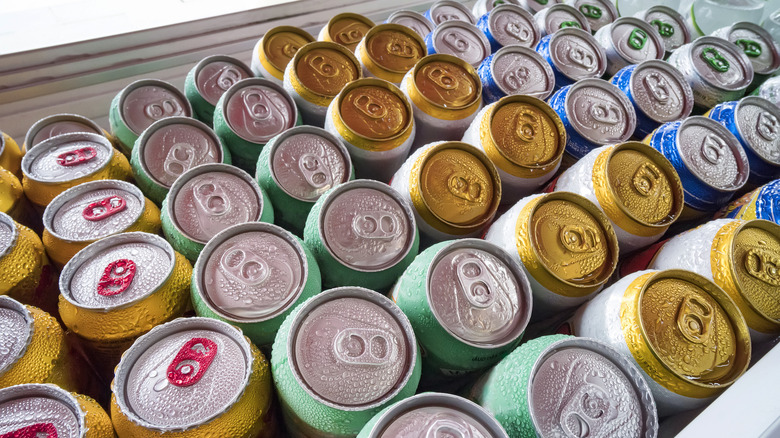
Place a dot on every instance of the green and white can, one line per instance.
(209, 79)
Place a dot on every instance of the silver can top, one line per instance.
(40, 410)
(635, 40)
(560, 16)
(599, 13)
(8, 234)
(258, 109)
(520, 70)
(721, 63)
(534, 6)
(58, 124)
(449, 10)
(669, 24)
(16, 332)
(512, 25)
(149, 100)
(67, 157)
(661, 91)
(577, 55)
(215, 74)
(461, 39)
(712, 153)
(600, 112)
(758, 122)
(413, 20)
(756, 43)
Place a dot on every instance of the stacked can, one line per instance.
(509, 24)
(10, 155)
(58, 124)
(669, 24)
(346, 29)
(461, 39)
(413, 20)
(13, 202)
(276, 49)
(761, 203)
(388, 51)
(515, 70)
(209, 80)
(347, 331)
(534, 6)
(757, 44)
(560, 16)
(769, 90)
(482, 7)
(449, 10)
(627, 41)
(599, 13)
(573, 55)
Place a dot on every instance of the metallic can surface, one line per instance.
(207, 199)
(389, 50)
(413, 20)
(761, 203)
(252, 275)
(276, 49)
(599, 13)
(534, 6)
(346, 29)
(769, 90)
(209, 79)
(449, 10)
(345, 330)
(461, 39)
(58, 124)
(191, 377)
(627, 41)
(756, 43)
(573, 55)
(92, 211)
(10, 155)
(515, 70)
(509, 24)
(560, 16)
(362, 233)
(669, 24)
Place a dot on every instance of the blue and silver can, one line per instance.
(515, 70)
(761, 203)
(509, 24)
(461, 39)
(449, 10)
(573, 54)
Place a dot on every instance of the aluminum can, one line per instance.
(634, 185)
(57, 124)
(449, 10)
(599, 13)
(68, 160)
(413, 20)
(433, 414)
(755, 122)
(757, 44)
(93, 211)
(716, 69)
(670, 25)
(346, 29)
(298, 166)
(347, 331)
(658, 92)
(524, 138)
(388, 51)
(681, 330)
(170, 147)
(445, 93)
(560, 16)
(573, 55)
(509, 24)
(10, 155)
(482, 7)
(515, 70)
(460, 39)
(627, 41)
(45, 410)
(142, 103)
(560, 385)
(362, 233)
(316, 75)
(209, 79)
(192, 377)
(276, 49)
(769, 90)
(252, 275)
(534, 6)
(119, 288)
(374, 120)
(207, 199)
(13, 202)
(251, 113)
(594, 113)
(761, 203)
(454, 188)
(566, 245)
(710, 161)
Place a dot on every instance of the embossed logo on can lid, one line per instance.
(412, 20)
(520, 70)
(758, 122)
(720, 63)
(463, 40)
(349, 29)
(670, 25)
(435, 421)
(755, 256)
(759, 46)
(577, 54)
(525, 135)
(282, 43)
(325, 70)
(40, 410)
(149, 101)
(374, 112)
(15, 331)
(448, 10)
(394, 49)
(661, 92)
(600, 112)
(446, 84)
(712, 153)
(258, 112)
(510, 24)
(67, 157)
(215, 76)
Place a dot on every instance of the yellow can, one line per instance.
(346, 29)
(10, 155)
(389, 50)
(12, 199)
(276, 49)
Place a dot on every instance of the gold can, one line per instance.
(12, 199)
(276, 49)
(10, 155)
(389, 50)
(346, 29)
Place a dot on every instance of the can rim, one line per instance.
(11, 304)
(408, 13)
(32, 154)
(517, 9)
(764, 35)
(373, 62)
(46, 121)
(11, 223)
(524, 294)
(373, 297)
(50, 391)
(3, 141)
(457, 5)
(357, 17)
(291, 71)
(233, 231)
(767, 106)
(432, 108)
(248, 82)
(720, 43)
(144, 83)
(465, 26)
(216, 58)
(612, 90)
(528, 52)
(674, 15)
(262, 49)
(544, 14)
(651, 31)
(677, 75)
(606, 4)
(591, 41)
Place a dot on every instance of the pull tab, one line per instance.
(715, 60)
(441, 78)
(582, 57)
(646, 179)
(767, 126)
(191, 362)
(376, 225)
(162, 109)
(712, 148)
(606, 112)
(763, 265)
(402, 49)
(350, 34)
(76, 157)
(257, 105)
(289, 49)
(527, 126)
(179, 159)
(370, 106)
(456, 42)
(228, 76)
(462, 187)
(315, 170)
(637, 39)
(658, 87)
(441, 427)
(38, 430)
(211, 198)
(476, 280)
(245, 266)
(542, 2)
(324, 65)
(572, 23)
(591, 11)
(579, 239)
(106, 207)
(694, 319)
(749, 47)
(665, 29)
(522, 33)
(116, 278)
(516, 77)
(364, 346)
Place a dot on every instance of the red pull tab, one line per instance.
(97, 211)
(76, 157)
(34, 431)
(116, 278)
(192, 361)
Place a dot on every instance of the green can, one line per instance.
(362, 233)
(296, 167)
(340, 358)
(170, 147)
(208, 199)
(251, 113)
(209, 80)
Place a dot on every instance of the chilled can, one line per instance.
(670, 25)
(560, 385)
(92, 211)
(757, 44)
(445, 93)
(482, 7)
(566, 245)
(628, 41)
(573, 55)
(524, 138)
(142, 103)
(769, 90)
(10, 155)
(170, 147)
(207, 199)
(449, 10)
(192, 377)
(433, 414)
(276, 49)
(45, 410)
(347, 331)
(252, 275)
(594, 113)
(13, 202)
(316, 75)
(251, 113)
(413, 20)
(362, 233)
(209, 80)
(509, 24)
(346, 29)
(681, 330)
(534, 6)
(374, 120)
(298, 166)
(68, 160)
(58, 124)
(515, 70)
(761, 203)
(453, 187)
(658, 92)
(710, 161)
(389, 50)
(599, 13)
(461, 39)
(716, 69)
(560, 16)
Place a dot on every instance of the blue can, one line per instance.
(761, 203)
(509, 24)
(573, 54)
(515, 70)
(461, 39)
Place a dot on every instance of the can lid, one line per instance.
(324, 68)
(209, 198)
(40, 410)
(447, 82)
(449, 10)
(348, 29)
(669, 24)
(67, 157)
(721, 63)
(535, 6)
(413, 20)
(356, 332)
(144, 102)
(174, 145)
(215, 74)
(758, 123)
(461, 39)
(521, 70)
(57, 124)
(561, 16)
(761, 49)
(636, 40)
(375, 110)
(577, 55)
(281, 43)
(183, 374)
(479, 294)
(8, 234)
(16, 333)
(251, 272)
(660, 91)
(94, 210)
(118, 271)
(755, 257)
(510, 24)
(394, 47)
(307, 161)
(712, 153)
(599, 13)
(367, 226)
(600, 112)
(257, 110)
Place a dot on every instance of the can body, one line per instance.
(627, 41)
(461, 39)
(10, 155)
(13, 202)
(275, 50)
(515, 70)
(208, 80)
(509, 24)
(760, 203)
(573, 54)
